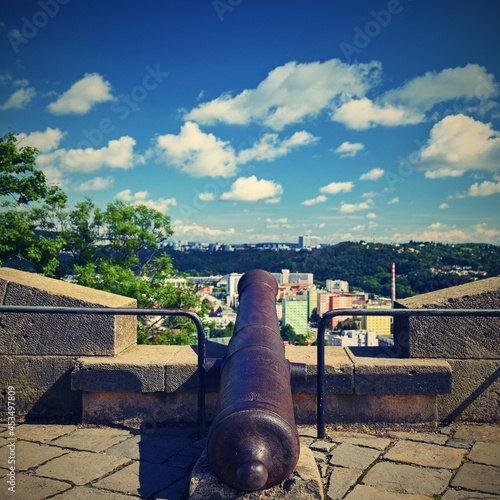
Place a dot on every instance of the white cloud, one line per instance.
(19, 99)
(363, 113)
(337, 187)
(457, 144)
(348, 208)
(289, 94)
(92, 89)
(269, 147)
(314, 201)
(485, 188)
(206, 196)
(118, 153)
(251, 189)
(197, 153)
(349, 149)
(43, 141)
(141, 198)
(371, 215)
(199, 231)
(95, 184)
(424, 92)
(373, 175)
(444, 206)
(393, 201)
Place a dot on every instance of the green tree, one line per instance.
(30, 211)
(288, 333)
(116, 249)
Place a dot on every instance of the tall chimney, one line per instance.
(393, 288)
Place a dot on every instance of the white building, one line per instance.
(308, 241)
(337, 286)
(353, 338)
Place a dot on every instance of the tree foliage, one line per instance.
(420, 266)
(115, 249)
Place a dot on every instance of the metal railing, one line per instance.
(320, 415)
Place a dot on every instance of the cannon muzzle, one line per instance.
(253, 442)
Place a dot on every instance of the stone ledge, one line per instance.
(172, 369)
(392, 376)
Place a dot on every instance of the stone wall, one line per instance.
(471, 345)
(89, 368)
(39, 351)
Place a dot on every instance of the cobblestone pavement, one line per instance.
(68, 462)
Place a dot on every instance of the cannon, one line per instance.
(253, 442)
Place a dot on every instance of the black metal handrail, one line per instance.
(136, 312)
(373, 312)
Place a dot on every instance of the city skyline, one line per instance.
(256, 122)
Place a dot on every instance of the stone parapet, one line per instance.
(60, 334)
(371, 389)
(447, 337)
(470, 345)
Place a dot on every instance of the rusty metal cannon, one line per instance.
(253, 442)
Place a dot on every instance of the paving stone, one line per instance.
(363, 492)
(360, 439)
(402, 478)
(192, 451)
(485, 453)
(35, 488)
(80, 467)
(141, 478)
(174, 491)
(182, 461)
(42, 433)
(306, 440)
(319, 456)
(354, 457)
(92, 439)
(428, 455)
(89, 493)
(467, 495)
(156, 448)
(484, 432)
(478, 477)
(323, 446)
(425, 437)
(30, 455)
(308, 432)
(341, 480)
(459, 443)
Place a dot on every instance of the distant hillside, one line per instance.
(420, 267)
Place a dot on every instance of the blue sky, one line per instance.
(251, 121)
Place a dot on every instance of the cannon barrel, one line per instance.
(253, 442)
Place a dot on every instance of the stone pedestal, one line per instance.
(303, 483)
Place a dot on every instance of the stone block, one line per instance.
(338, 369)
(401, 376)
(61, 334)
(447, 337)
(475, 392)
(402, 478)
(140, 369)
(42, 385)
(370, 408)
(426, 454)
(157, 408)
(303, 483)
